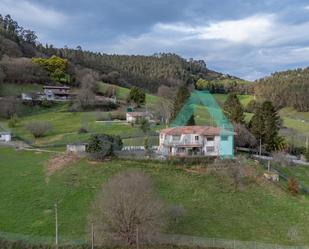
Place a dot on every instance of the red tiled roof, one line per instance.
(200, 130)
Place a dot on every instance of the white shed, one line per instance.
(76, 148)
(5, 136)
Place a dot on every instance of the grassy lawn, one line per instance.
(244, 99)
(301, 173)
(122, 93)
(7, 89)
(259, 212)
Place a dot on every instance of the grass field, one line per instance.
(259, 212)
(122, 93)
(7, 89)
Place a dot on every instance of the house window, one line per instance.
(196, 138)
(210, 148)
(210, 138)
(176, 138)
(224, 138)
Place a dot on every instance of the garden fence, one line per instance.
(162, 239)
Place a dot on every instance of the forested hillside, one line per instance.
(19, 45)
(288, 88)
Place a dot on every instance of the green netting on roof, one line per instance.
(207, 100)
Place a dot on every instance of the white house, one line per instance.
(196, 141)
(133, 117)
(5, 136)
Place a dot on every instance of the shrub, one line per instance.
(39, 129)
(13, 122)
(118, 115)
(103, 145)
(177, 212)
(82, 130)
(293, 186)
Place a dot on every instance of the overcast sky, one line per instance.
(245, 38)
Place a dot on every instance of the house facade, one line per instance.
(56, 92)
(133, 117)
(196, 141)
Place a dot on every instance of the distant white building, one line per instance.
(76, 148)
(196, 141)
(133, 117)
(56, 92)
(5, 136)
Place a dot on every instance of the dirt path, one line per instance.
(58, 162)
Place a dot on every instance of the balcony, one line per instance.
(183, 143)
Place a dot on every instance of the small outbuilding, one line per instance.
(76, 148)
(133, 117)
(5, 137)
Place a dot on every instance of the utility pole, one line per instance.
(56, 223)
(92, 236)
(137, 238)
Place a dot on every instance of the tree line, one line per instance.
(288, 88)
(147, 72)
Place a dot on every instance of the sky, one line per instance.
(245, 38)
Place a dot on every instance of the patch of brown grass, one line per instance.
(58, 162)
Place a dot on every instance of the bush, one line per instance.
(103, 145)
(177, 212)
(82, 130)
(47, 104)
(13, 122)
(39, 129)
(118, 115)
(293, 186)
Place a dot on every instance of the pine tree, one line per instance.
(265, 125)
(182, 95)
(233, 109)
(272, 125)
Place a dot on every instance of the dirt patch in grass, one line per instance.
(58, 162)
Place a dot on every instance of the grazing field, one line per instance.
(7, 89)
(259, 211)
(122, 93)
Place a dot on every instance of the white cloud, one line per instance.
(306, 7)
(32, 15)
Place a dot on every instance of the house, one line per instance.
(196, 141)
(76, 148)
(133, 117)
(57, 93)
(5, 136)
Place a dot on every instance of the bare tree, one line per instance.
(163, 110)
(9, 107)
(236, 173)
(244, 137)
(38, 128)
(86, 96)
(127, 210)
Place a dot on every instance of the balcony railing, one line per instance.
(182, 142)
